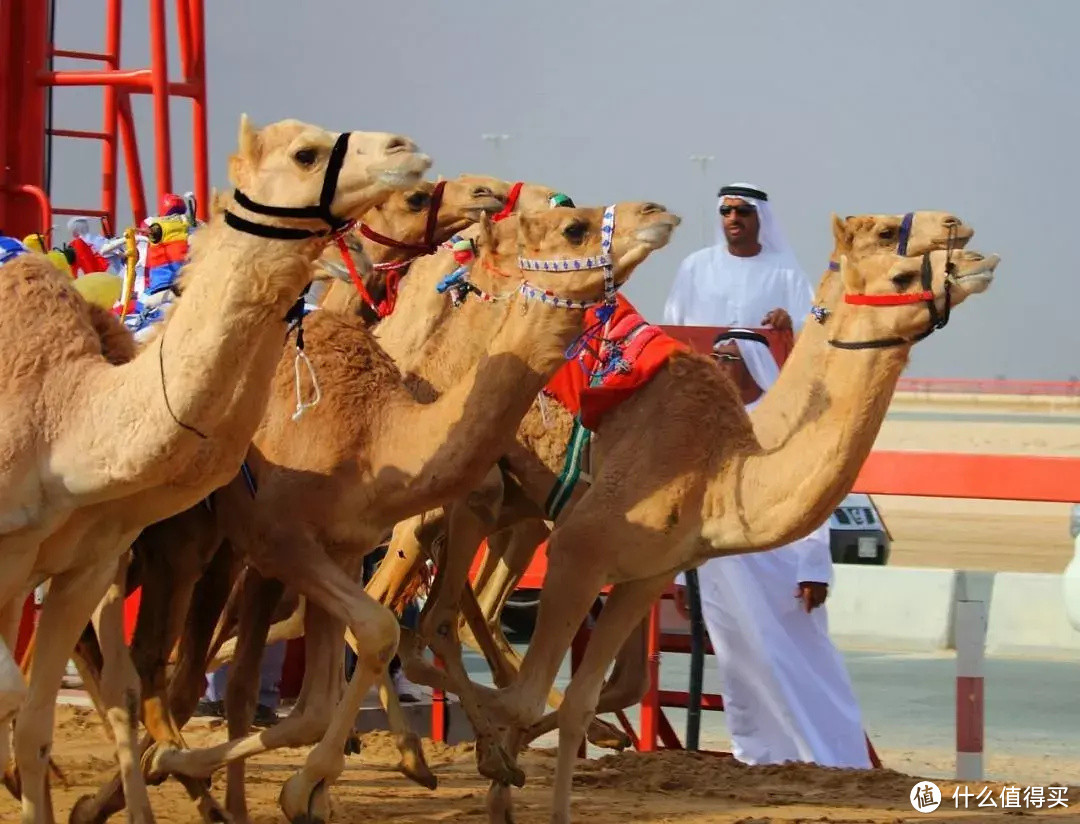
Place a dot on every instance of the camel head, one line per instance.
(892, 300)
(532, 197)
(570, 239)
(288, 163)
(406, 215)
(862, 235)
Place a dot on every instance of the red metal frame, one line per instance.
(26, 77)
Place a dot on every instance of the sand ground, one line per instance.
(688, 788)
(694, 788)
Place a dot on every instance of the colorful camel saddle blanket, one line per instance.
(604, 374)
(598, 379)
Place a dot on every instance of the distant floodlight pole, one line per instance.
(496, 140)
(703, 162)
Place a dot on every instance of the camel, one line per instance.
(714, 488)
(516, 526)
(70, 515)
(354, 491)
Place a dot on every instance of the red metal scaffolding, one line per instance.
(27, 77)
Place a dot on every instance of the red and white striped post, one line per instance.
(970, 654)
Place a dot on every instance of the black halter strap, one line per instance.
(321, 211)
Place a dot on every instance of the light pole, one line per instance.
(703, 162)
(496, 140)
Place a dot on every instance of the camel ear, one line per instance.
(849, 276)
(248, 140)
(841, 232)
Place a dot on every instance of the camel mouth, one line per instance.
(978, 272)
(405, 172)
(959, 240)
(485, 206)
(657, 235)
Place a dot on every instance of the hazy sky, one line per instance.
(833, 105)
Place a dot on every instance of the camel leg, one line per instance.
(172, 555)
(186, 685)
(326, 585)
(469, 522)
(511, 551)
(120, 691)
(570, 587)
(292, 627)
(12, 687)
(256, 603)
(71, 598)
(628, 684)
(626, 608)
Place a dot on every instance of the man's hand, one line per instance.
(812, 594)
(778, 319)
(681, 605)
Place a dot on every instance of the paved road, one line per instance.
(908, 703)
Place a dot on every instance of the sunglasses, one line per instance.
(725, 356)
(741, 211)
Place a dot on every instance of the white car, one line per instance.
(1071, 578)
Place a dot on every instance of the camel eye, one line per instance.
(418, 201)
(887, 234)
(903, 282)
(575, 232)
(306, 157)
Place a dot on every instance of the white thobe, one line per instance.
(716, 288)
(787, 694)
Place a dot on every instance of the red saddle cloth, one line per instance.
(643, 349)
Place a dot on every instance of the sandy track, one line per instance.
(660, 787)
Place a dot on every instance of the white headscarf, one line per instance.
(756, 354)
(770, 236)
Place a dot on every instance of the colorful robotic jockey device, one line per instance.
(10, 248)
(166, 253)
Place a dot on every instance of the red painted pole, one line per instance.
(201, 149)
(110, 118)
(650, 704)
(159, 81)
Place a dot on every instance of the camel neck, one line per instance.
(823, 415)
(227, 330)
(480, 411)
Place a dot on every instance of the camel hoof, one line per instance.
(152, 763)
(303, 803)
(413, 765)
(493, 762)
(608, 736)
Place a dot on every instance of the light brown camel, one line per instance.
(714, 489)
(519, 523)
(69, 516)
(354, 490)
(172, 554)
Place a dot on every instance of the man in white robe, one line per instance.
(787, 694)
(749, 278)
